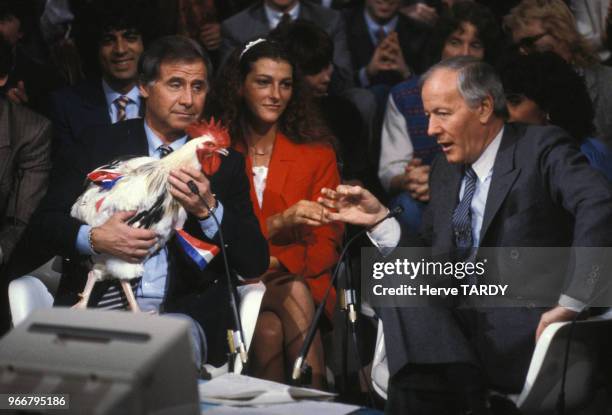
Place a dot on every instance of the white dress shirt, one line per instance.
(274, 16)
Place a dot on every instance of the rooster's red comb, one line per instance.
(212, 127)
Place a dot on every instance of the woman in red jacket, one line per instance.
(289, 158)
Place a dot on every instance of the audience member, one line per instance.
(591, 18)
(466, 29)
(119, 43)
(386, 46)
(312, 50)
(521, 186)
(29, 80)
(548, 25)
(259, 19)
(25, 139)
(541, 88)
(174, 82)
(289, 159)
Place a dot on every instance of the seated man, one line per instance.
(25, 142)
(174, 80)
(118, 39)
(259, 19)
(499, 185)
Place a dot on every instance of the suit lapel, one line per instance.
(258, 22)
(94, 102)
(279, 168)
(504, 176)
(361, 36)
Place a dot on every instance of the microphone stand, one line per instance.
(299, 368)
(237, 344)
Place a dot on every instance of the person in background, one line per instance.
(30, 80)
(25, 142)
(548, 25)
(591, 16)
(118, 38)
(541, 88)
(289, 159)
(466, 29)
(312, 50)
(263, 16)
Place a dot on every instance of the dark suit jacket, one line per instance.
(543, 193)
(201, 295)
(252, 23)
(25, 142)
(412, 36)
(74, 109)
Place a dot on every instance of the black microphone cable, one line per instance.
(297, 367)
(238, 338)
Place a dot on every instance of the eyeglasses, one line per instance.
(527, 44)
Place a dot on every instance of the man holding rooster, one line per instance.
(174, 82)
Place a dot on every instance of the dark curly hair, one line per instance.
(554, 86)
(300, 121)
(487, 27)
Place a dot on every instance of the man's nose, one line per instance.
(186, 97)
(120, 46)
(433, 127)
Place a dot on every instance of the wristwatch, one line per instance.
(211, 210)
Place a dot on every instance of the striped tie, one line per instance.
(121, 103)
(114, 297)
(164, 151)
(462, 216)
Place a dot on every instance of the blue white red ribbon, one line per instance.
(199, 251)
(104, 178)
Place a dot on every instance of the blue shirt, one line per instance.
(152, 288)
(132, 109)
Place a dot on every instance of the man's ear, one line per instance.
(486, 110)
(3, 80)
(143, 89)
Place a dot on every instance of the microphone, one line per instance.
(236, 338)
(299, 362)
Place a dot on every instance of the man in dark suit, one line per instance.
(25, 142)
(173, 73)
(118, 39)
(262, 17)
(499, 185)
(386, 46)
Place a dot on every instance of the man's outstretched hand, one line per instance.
(352, 204)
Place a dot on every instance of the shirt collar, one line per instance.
(483, 167)
(111, 95)
(373, 27)
(274, 15)
(154, 142)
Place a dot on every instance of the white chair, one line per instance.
(27, 294)
(542, 384)
(250, 301)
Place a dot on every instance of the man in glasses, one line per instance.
(541, 26)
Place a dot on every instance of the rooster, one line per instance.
(141, 184)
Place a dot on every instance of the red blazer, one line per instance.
(299, 172)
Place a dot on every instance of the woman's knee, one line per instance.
(269, 326)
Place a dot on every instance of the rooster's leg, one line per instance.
(91, 281)
(129, 294)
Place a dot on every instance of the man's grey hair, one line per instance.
(170, 49)
(476, 80)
